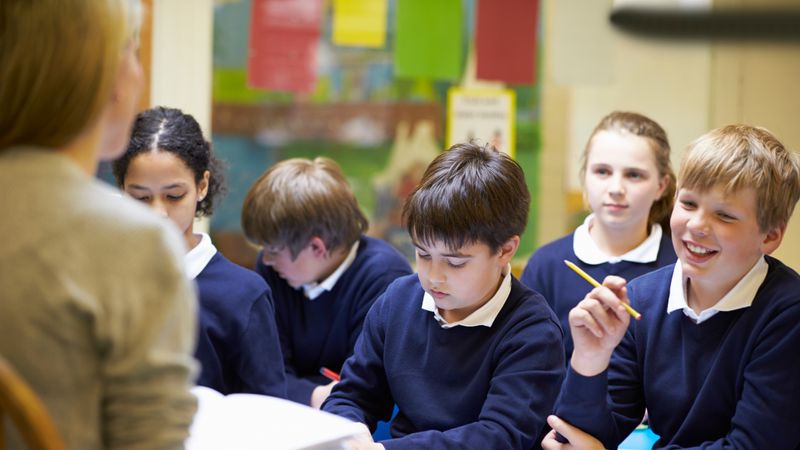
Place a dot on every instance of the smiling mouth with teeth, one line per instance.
(698, 250)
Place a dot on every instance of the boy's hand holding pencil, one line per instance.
(598, 323)
(329, 374)
(320, 393)
(596, 284)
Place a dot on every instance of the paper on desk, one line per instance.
(260, 422)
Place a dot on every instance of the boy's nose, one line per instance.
(697, 224)
(266, 259)
(436, 274)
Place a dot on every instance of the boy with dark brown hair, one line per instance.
(471, 357)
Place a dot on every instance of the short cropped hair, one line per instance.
(171, 130)
(298, 199)
(737, 157)
(60, 59)
(647, 128)
(469, 194)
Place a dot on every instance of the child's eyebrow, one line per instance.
(456, 255)
(174, 185)
(169, 186)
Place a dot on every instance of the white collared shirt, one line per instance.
(587, 250)
(314, 290)
(197, 258)
(740, 296)
(483, 316)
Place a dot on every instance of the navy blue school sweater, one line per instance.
(732, 381)
(322, 332)
(238, 346)
(547, 274)
(457, 388)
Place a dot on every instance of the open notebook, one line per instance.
(260, 422)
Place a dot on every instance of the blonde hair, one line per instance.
(59, 62)
(298, 199)
(737, 157)
(644, 127)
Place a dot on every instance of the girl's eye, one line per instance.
(726, 217)
(602, 171)
(635, 175)
(688, 204)
(143, 198)
(175, 197)
(456, 264)
(423, 255)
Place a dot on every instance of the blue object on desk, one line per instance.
(382, 429)
(640, 439)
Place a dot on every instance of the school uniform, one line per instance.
(238, 346)
(547, 274)
(488, 381)
(318, 325)
(728, 378)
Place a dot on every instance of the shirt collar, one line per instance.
(483, 316)
(740, 296)
(314, 290)
(197, 258)
(587, 250)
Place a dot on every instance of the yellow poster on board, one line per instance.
(483, 116)
(359, 23)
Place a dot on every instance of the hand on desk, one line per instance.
(361, 445)
(320, 393)
(578, 439)
(363, 442)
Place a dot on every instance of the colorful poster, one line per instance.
(284, 35)
(505, 40)
(359, 23)
(429, 39)
(485, 116)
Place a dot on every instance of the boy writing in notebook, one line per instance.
(471, 357)
(713, 358)
(323, 272)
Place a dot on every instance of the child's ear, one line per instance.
(509, 249)
(202, 186)
(318, 247)
(772, 240)
(662, 186)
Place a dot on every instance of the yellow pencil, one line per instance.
(594, 283)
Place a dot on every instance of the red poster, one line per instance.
(505, 40)
(284, 35)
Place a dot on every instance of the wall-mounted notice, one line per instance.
(486, 116)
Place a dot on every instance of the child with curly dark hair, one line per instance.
(169, 166)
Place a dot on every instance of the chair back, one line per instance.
(19, 403)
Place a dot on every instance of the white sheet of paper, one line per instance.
(260, 422)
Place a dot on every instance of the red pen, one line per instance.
(331, 375)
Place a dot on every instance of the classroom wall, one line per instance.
(590, 68)
(181, 57)
(180, 71)
(758, 84)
